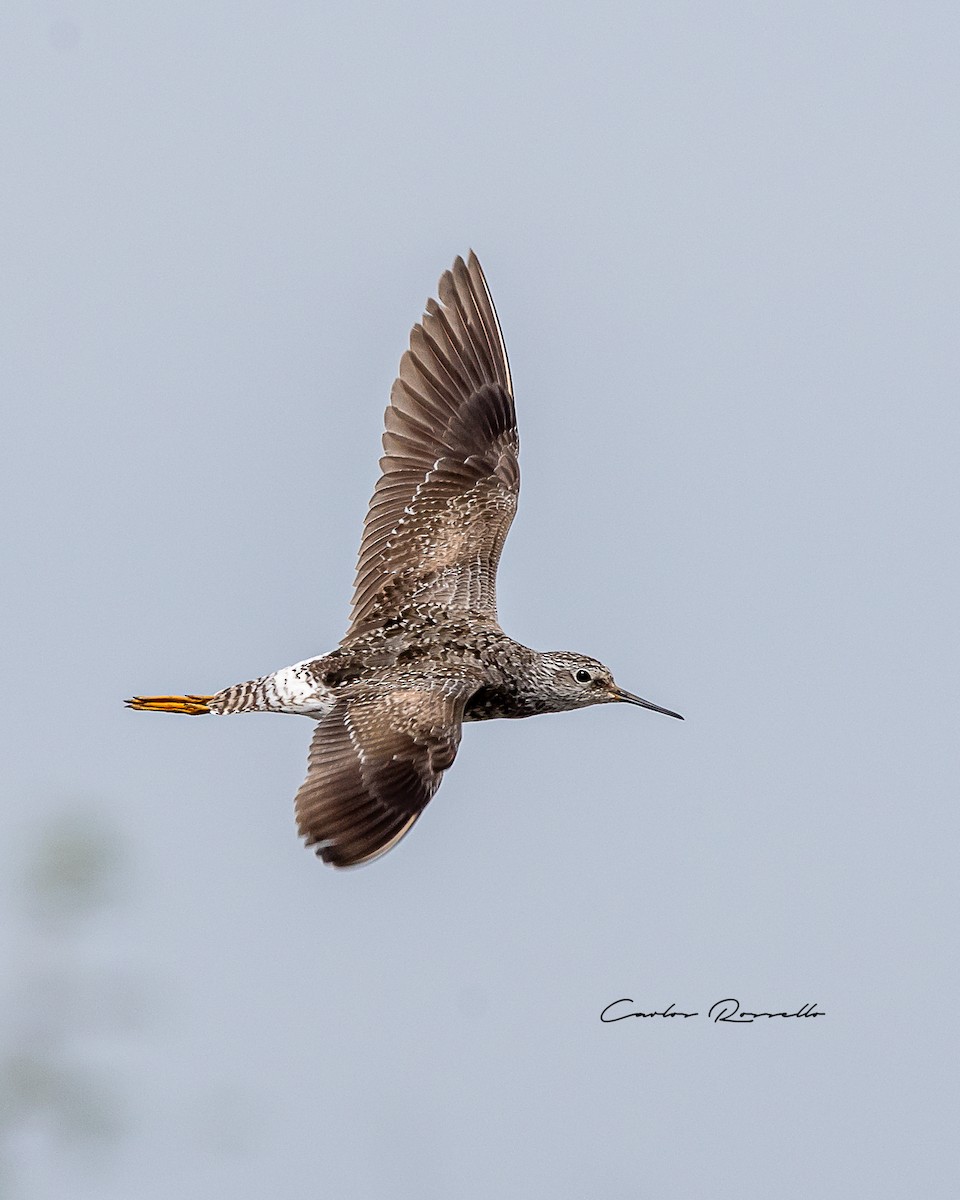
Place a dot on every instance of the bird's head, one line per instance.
(577, 681)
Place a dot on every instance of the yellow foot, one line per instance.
(193, 706)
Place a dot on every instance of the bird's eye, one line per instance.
(583, 676)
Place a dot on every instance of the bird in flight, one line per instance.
(424, 651)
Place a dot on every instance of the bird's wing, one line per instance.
(444, 503)
(375, 761)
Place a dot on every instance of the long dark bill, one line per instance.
(630, 698)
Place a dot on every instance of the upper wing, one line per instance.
(375, 762)
(444, 503)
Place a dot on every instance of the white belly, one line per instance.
(295, 690)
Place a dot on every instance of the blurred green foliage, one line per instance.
(75, 869)
(58, 1093)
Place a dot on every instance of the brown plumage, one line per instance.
(424, 651)
(448, 493)
(375, 761)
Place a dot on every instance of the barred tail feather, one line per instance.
(240, 697)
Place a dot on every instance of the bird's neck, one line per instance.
(519, 691)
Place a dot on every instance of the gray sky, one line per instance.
(723, 242)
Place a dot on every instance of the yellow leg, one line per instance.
(193, 706)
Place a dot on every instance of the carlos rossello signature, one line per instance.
(727, 1012)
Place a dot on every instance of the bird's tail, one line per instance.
(194, 706)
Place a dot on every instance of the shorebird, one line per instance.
(424, 651)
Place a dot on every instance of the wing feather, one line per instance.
(447, 495)
(375, 762)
